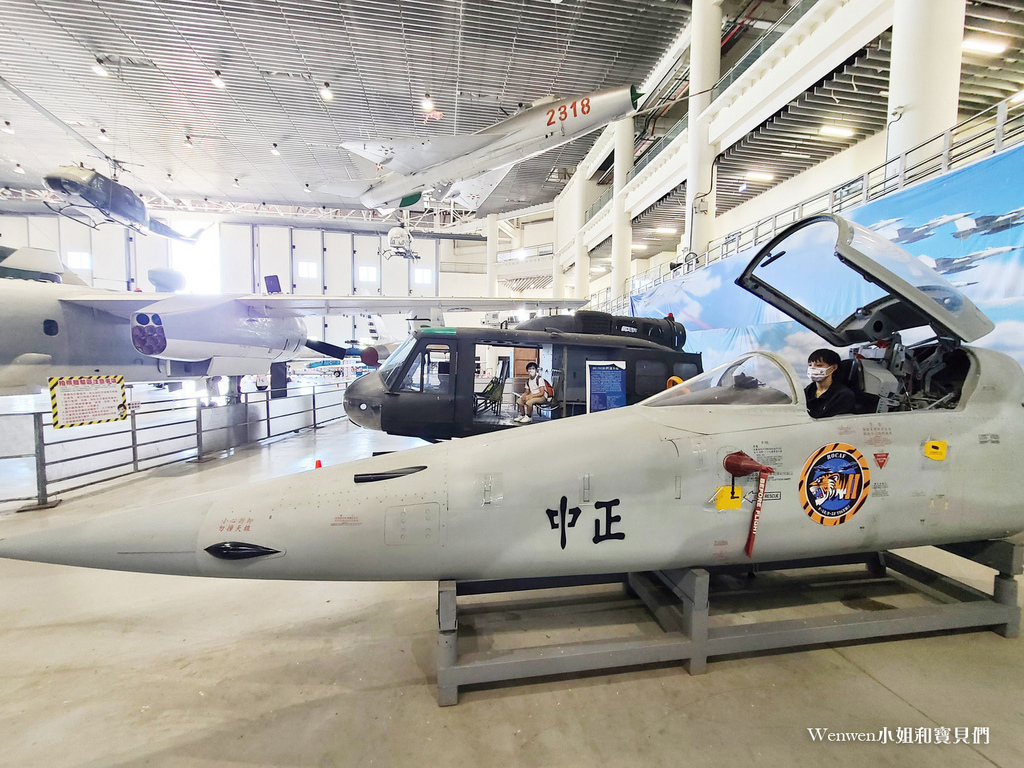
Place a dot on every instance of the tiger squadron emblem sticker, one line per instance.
(834, 484)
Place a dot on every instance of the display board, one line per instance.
(606, 385)
(79, 400)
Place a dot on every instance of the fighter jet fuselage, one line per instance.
(437, 163)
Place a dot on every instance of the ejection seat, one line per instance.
(851, 373)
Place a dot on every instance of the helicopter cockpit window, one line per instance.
(430, 370)
(389, 370)
(96, 183)
(751, 380)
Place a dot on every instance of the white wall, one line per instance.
(236, 258)
(538, 233)
(150, 252)
(274, 255)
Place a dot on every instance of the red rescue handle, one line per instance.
(739, 464)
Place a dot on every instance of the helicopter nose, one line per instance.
(363, 400)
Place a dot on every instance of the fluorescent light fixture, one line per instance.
(274, 150)
(427, 105)
(638, 247)
(99, 69)
(217, 80)
(596, 270)
(799, 155)
(1017, 98)
(666, 230)
(760, 176)
(188, 142)
(983, 45)
(102, 135)
(325, 92)
(838, 131)
(18, 168)
(743, 187)
(8, 128)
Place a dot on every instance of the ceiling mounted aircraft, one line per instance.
(656, 485)
(465, 169)
(102, 199)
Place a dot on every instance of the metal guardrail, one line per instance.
(999, 127)
(600, 203)
(38, 458)
(766, 41)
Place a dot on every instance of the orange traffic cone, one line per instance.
(318, 465)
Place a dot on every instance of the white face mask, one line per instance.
(818, 374)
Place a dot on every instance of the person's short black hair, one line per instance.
(531, 365)
(826, 356)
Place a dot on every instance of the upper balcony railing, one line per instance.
(758, 49)
(997, 128)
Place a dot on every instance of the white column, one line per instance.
(492, 255)
(924, 78)
(705, 69)
(581, 274)
(622, 229)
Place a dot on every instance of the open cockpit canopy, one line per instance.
(825, 262)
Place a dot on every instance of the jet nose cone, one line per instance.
(158, 540)
(363, 400)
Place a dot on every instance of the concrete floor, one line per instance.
(113, 669)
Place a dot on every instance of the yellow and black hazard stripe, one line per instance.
(854, 487)
(54, 383)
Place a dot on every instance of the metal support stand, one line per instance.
(680, 602)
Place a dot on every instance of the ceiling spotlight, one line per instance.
(188, 142)
(102, 136)
(427, 105)
(310, 191)
(274, 150)
(236, 184)
(760, 176)
(169, 177)
(8, 128)
(983, 45)
(217, 80)
(838, 131)
(743, 187)
(18, 168)
(325, 92)
(99, 69)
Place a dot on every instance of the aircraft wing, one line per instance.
(119, 304)
(406, 156)
(471, 193)
(383, 305)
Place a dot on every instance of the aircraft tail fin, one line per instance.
(964, 226)
(159, 228)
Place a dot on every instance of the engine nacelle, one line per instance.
(194, 328)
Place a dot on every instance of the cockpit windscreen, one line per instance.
(752, 380)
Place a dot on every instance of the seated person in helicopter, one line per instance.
(538, 390)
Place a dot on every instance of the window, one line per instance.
(79, 260)
(751, 380)
(367, 274)
(430, 371)
(421, 276)
(306, 269)
(50, 327)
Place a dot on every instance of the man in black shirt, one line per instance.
(825, 396)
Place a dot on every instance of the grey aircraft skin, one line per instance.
(645, 486)
(57, 329)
